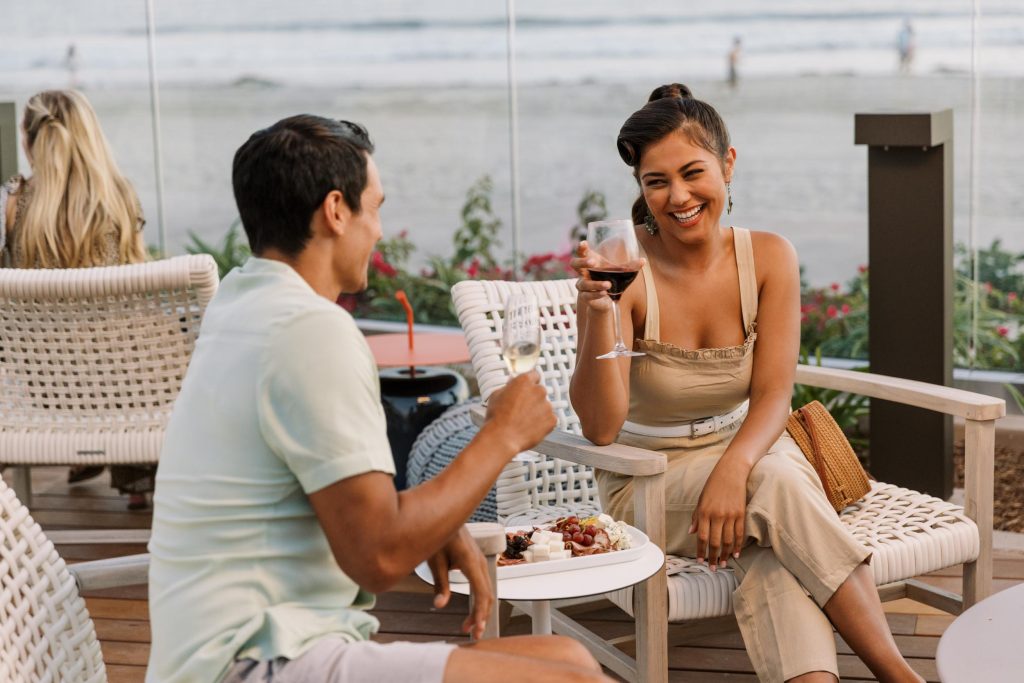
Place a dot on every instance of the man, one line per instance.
(275, 514)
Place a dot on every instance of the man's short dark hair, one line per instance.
(282, 174)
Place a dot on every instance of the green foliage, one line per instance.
(1016, 395)
(592, 207)
(233, 251)
(1002, 269)
(429, 291)
(478, 234)
(834, 319)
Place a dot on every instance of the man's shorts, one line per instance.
(334, 660)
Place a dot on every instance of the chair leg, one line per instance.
(650, 598)
(20, 481)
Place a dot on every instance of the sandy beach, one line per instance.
(798, 171)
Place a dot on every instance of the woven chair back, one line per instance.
(45, 631)
(91, 359)
(533, 487)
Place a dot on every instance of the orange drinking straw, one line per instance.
(404, 300)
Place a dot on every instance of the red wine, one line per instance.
(619, 277)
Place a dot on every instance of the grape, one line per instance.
(587, 540)
(566, 537)
(573, 520)
(590, 530)
(579, 538)
(573, 528)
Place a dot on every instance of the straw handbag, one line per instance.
(826, 447)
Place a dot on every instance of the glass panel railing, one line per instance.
(429, 81)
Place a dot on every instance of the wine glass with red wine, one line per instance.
(615, 243)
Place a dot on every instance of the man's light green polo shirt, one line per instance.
(281, 399)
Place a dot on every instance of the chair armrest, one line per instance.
(97, 537)
(130, 570)
(636, 462)
(966, 404)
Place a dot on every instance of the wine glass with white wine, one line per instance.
(615, 243)
(521, 333)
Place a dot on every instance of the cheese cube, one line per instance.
(561, 555)
(541, 552)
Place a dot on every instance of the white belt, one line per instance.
(693, 429)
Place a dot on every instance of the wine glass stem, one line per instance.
(618, 325)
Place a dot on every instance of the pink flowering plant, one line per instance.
(473, 258)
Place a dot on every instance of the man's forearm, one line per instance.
(431, 513)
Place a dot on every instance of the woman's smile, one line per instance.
(689, 217)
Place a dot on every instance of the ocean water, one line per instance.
(430, 81)
(396, 43)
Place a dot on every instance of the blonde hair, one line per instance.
(78, 194)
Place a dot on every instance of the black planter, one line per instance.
(413, 398)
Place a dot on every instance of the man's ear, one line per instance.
(335, 213)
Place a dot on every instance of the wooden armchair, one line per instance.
(909, 533)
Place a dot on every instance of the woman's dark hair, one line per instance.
(670, 108)
(282, 174)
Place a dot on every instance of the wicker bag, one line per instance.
(825, 446)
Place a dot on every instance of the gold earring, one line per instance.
(650, 224)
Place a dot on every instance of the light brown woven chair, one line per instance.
(909, 533)
(91, 360)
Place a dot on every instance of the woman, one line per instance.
(716, 311)
(75, 211)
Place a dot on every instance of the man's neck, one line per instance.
(315, 269)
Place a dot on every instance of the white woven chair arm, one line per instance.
(636, 462)
(130, 570)
(94, 537)
(966, 404)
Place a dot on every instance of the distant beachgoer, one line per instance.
(75, 211)
(734, 60)
(905, 46)
(71, 63)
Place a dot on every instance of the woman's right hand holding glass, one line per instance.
(593, 293)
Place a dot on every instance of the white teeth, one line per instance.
(689, 214)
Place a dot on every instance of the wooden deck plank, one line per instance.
(121, 616)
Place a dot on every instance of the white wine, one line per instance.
(521, 356)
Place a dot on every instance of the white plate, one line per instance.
(638, 540)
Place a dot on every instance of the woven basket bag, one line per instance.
(826, 447)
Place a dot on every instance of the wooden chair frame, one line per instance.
(648, 470)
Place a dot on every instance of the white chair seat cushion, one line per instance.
(909, 534)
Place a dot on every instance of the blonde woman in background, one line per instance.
(75, 211)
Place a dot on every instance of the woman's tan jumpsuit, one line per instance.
(797, 546)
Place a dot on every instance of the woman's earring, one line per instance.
(650, 224)
(728, 193)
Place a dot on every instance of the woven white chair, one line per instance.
(91, 360)
(46, 634)
(909, 533)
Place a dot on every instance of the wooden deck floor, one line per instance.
(122, 618)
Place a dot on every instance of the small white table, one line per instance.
(985, 643)
(532, 594)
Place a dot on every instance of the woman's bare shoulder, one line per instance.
(773, 253)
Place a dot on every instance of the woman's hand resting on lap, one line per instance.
(719, 516)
